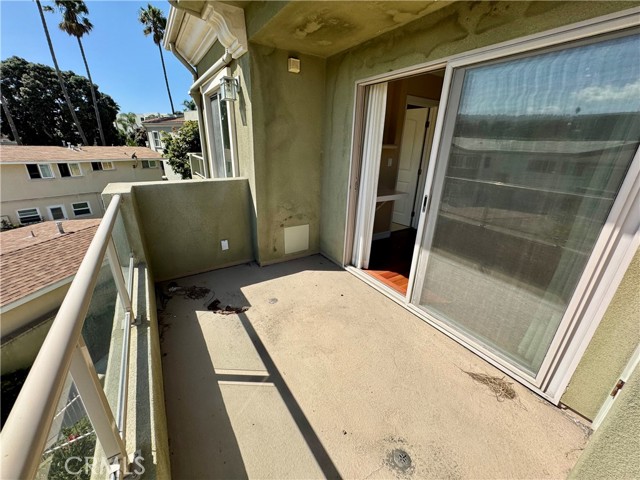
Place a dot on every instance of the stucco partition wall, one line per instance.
(183, 224)
(287, 148)
(613, 450)
(459, 27)
(610, 349)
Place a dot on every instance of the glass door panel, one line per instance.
(536, 149)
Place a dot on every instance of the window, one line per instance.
(149, 164)
(157, 144)
(508, 244)
(220, 121)
(57, 212)
(39, 170)
(97, 166)
(81, 208)
(29, 215)
(69, 169)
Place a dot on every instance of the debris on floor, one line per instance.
(502, 389)
(216, 307)
(194, 292)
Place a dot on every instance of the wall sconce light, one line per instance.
(229, 87)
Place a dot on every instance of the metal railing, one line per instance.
(63, 353)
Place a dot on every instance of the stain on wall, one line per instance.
(287, 148)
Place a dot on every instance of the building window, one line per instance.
(157, 144)
(97, 166)
(57, 212)
(28, 216)
(81, 208)
(69, 169)
(39, 170)
(220, 121)
(149, 164)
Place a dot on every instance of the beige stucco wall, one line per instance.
(613, 452)
(21, 316)
(18, 191)
(177, 227)
(610, 349)
(459, 27)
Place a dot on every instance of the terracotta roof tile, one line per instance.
(30, 263)
(29, 153)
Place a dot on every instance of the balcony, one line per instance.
(294, 370)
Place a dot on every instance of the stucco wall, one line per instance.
(610, 349)
(182, 224)
(459, 27)
(287, 148)
(613, 450)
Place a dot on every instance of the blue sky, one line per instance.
(123, 62)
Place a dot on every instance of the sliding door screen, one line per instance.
(536, 149)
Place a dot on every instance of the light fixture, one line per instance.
(293, 65)
(229, 89)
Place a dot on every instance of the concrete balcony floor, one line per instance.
(323, 376)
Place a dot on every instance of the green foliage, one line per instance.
(189, 105)
(177, 146)
(83, 448)
(39, 110)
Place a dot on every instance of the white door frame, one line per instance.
(61, 207)
(613, 252)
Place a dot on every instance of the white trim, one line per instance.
(632, 364)
(73, 207)
(371, 152)
(108, 162)
(37, 209)
(38, 293)
(39, 165)
(61, 207)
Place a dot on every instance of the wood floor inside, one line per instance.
(390, 259)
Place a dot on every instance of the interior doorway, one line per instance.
(410, 115)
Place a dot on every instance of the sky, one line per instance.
(124, 63)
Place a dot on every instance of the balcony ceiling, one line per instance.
(324, 28)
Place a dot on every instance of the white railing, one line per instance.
(63, 353)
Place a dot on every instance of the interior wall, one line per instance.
(425, 86)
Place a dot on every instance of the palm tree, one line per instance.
(12, 125)
(75, 23)
(154, 23)
(189, 105)
(60, 79)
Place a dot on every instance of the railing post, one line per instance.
(96, 404)
(114, 263)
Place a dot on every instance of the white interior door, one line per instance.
(411, 148)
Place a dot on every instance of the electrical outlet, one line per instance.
(389, 161)
(224, 244)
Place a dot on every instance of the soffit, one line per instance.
(324, 28)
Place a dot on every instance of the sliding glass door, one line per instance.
(533, 152)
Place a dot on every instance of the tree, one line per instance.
(60, 79)
(189, 105)
(38, 105)
(12, 124)
(154, 24)
(75, 23)
(127, 122)
(178, 145)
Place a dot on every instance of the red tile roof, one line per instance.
(29, 263)
(28, 154)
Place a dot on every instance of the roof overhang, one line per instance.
(194, 27)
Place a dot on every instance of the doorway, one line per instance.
(410, 114)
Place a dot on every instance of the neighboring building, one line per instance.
(427, 117)
(37, 265)
(157, 127)
(54, 183)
